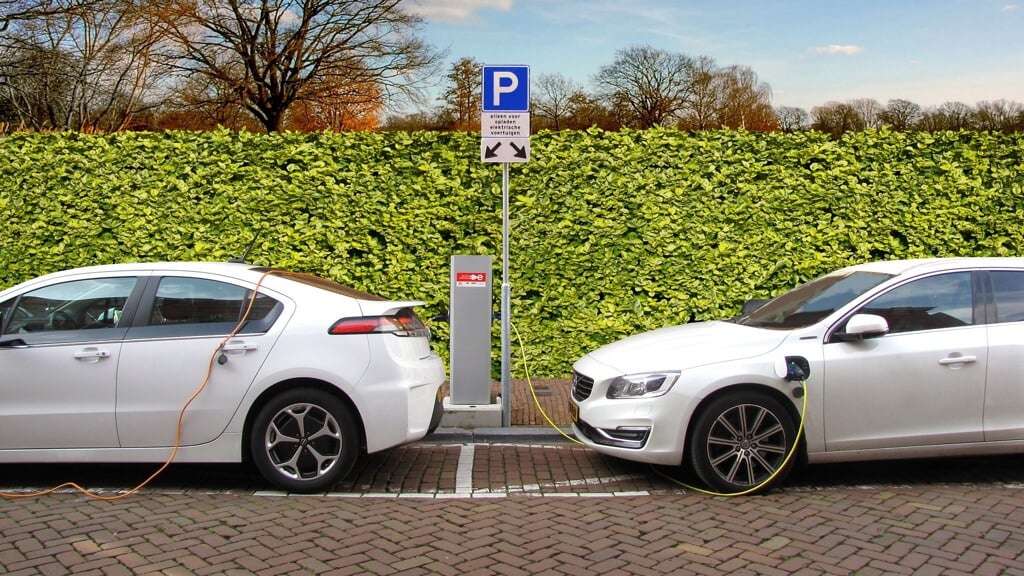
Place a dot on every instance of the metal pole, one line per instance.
(506, 305)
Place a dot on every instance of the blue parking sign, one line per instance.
(506, 88)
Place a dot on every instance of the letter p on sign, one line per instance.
(505, 82)
(506, 89)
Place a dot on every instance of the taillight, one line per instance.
(405, 323)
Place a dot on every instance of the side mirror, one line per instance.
(863, 326)
(753, 304)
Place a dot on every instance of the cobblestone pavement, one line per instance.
(513, 508)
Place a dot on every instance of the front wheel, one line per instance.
(741, 442)
(304, 440)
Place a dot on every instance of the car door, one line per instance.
(172, 347)
(1004, 399)
(59, 350)
(922, 383)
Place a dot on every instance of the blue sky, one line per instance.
(809, 51)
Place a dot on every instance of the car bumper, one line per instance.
(400, 409)
(651, 430)
(638, 430)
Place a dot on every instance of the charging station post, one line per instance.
(470, 315)
(470, 322)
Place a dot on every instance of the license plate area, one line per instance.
(574, 412)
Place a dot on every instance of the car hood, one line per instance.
(687, 346)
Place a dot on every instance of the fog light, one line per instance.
(623, 437)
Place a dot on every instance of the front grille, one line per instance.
(582, 386)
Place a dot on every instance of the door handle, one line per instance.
(91, 355)
(954, 360)
(239, 347)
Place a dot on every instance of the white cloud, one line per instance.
(844, 49)
(1009, 7)
(454, 11)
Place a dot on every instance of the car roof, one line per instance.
(226, 268)
(242, 271)
(927, 265)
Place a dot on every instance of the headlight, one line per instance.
(642, 385)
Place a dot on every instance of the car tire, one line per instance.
(304, 440)
(741, 441)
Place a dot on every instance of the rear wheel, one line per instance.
(304, 440)
(741, 441)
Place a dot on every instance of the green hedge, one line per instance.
(612, 232)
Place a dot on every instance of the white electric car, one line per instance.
(96, 365)
(898, 359)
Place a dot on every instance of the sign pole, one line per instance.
(506, 304)
(505, 138)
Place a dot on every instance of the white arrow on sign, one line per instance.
(505, 149)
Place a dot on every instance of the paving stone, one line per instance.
(547, 507)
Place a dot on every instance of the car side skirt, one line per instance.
(907, 453)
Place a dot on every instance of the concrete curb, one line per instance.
(511, 435)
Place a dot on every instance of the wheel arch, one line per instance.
(779, 395)
(292, 384)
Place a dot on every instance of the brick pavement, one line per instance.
(549, 508)
(899, 530)
(552, 394)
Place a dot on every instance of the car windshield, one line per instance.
(809, 303)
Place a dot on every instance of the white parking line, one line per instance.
(464, 472)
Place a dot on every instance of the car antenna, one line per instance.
(247, 250)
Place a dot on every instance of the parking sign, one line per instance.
(506, 88)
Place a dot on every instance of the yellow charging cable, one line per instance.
(785, 462)
(529, 382)
(181, 417)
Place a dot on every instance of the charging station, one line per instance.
(470, 313)
(504, 138)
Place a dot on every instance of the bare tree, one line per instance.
(901, 115)
(705, 96)
(949, 116)
(275, 53)
(203, 103)
(98, 51)
(338, 108)
(463, 96)
(957, 115)
(745, 101)
(13, 11)
(868, 109)
(836, 119)
(586, 111)
(647, 86)
(37, 87)
(554, 93)
(998, 116)
(410, 122)
(792, 118)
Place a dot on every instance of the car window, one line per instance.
(943, 301)
(811, 302)
(1008, 288)
(76, 305)
(198, 301)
